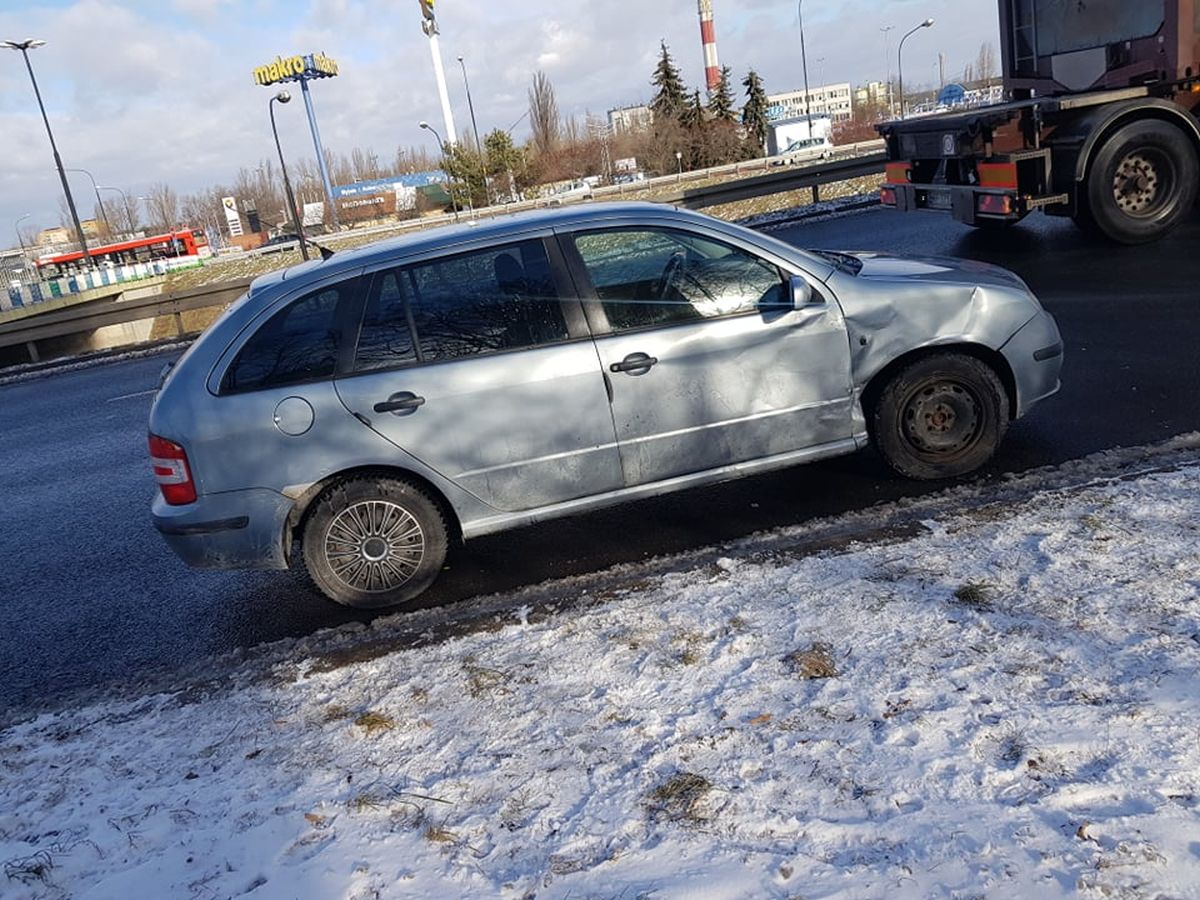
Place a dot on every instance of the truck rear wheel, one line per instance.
(1142, 183)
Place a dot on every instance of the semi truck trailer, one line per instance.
(1099, 123)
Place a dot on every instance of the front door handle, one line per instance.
(635, 363)
(402, 404)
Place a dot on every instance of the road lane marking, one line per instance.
(131, 396)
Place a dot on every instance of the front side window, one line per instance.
(299, 343)
(503, 298)
(653, 277)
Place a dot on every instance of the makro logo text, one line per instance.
(293, 68)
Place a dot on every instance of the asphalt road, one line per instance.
(90, 596)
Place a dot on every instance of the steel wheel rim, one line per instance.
(1142, 182)
(374, 546)
(941, 419)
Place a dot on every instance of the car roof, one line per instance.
(494, 229)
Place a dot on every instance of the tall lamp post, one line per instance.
(887, 55)
(99, 202)
(25, 46)
(129, 217)
(442, 148)
(928, 23)
(804, 62)
(475, 129)
(285, 97)
(21, 241)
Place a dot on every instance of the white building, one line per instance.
(831, 100)
(630, 119)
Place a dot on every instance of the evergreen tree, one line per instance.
(720, 104)
(754, 113)
(668, 99)
(692, 116)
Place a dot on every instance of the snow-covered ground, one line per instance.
(1004, 704)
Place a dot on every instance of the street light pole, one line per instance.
(442, 148)
(887, 55)
(25, 46)
(475, 129)
(804, 62)
(129, 219)
(99, 202)
(21, 241)
(928, 23)
(285, 97)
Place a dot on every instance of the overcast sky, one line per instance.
(142, 92)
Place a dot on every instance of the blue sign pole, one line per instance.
(316, 135)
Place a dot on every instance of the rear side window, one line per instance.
(299, 343)
(503, 298)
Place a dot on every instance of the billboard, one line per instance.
(232, 219)
(295, 68)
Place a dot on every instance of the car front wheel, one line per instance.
(374, 542)
(941, 416)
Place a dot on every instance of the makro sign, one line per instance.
(294, 68)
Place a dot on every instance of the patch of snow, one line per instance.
(1004, 704)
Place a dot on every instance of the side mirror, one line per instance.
(802, 292)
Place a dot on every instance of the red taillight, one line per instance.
(887, 196)
(171, 471)
(897, 172)
(994, 204)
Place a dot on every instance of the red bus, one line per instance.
(182, 243)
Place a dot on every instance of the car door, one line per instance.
(709, 363)
(477, 365)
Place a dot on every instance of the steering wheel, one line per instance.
(670, 272)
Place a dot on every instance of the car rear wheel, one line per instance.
(374, 542)
(941, 416)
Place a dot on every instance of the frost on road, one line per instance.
(1004, 705)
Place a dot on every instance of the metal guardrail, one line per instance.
(90, 316)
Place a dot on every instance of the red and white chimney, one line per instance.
(708, 37)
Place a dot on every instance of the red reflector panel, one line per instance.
(994, 204)
(997, 175)
(171, 471)
(887, 196)
(897, 173)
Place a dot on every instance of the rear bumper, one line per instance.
(1035, 355)
(961, 201)
(234, 530)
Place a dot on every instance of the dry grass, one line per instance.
(814, 662)
(372, 722)
(976, 594)
(680, 799)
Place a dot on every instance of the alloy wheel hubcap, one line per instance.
(374, 546)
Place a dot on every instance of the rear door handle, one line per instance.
(403, 403)
(636, 363)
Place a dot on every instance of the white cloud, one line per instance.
(140, 93)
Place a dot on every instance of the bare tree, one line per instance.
(985, 63)
(543, 113)
(163, 206)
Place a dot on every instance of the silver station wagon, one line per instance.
(373, 407)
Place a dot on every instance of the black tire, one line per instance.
(1141, 184)
(371, 543)
(941, 416)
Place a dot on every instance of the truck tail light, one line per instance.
(171, 471)
(887, 196)
(897, 172)
(994, 204)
